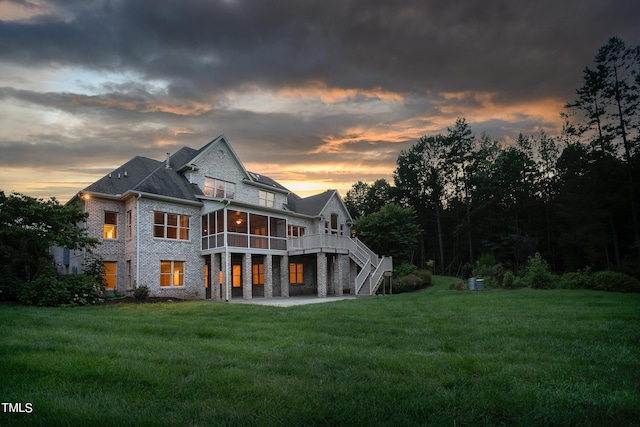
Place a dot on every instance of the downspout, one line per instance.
(86, 227)
(227, 258)
(138, 240)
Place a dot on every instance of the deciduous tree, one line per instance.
(29, 226)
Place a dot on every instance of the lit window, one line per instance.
(258, 274)
(110, 225)
(237, 276)
(296, 273)
(171, 273)
(266, 198)
(170, 226)
(206, 275)
(110, 274)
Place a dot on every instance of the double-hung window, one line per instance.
(171, 273)
(266, 198)
(170, 226)
(110, 225)
(110, 274)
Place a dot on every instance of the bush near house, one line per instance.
(404, 269)
(413, 280)
(51, 290)
(141, 292)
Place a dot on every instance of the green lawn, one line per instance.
(439, 357)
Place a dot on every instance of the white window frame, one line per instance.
(113, 227)
(179, 227)
(173, 274)
(266, 198)
(214, 187)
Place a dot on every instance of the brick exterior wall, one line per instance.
(153, 250)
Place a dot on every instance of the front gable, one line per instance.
(335, 216)
(217, 164)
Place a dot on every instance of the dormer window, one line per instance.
(266, 198)
(218, 188)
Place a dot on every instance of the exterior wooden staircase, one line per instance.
(372, 267)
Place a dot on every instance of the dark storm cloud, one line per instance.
(514, 48)
(183, 60)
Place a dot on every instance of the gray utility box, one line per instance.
(472, 283)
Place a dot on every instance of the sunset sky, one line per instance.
(314, 94)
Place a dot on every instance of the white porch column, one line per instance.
(247, 286)
(353, 273)
(321, 269)
(268, 276)
(284, 276)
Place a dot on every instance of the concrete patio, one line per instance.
(291, 301)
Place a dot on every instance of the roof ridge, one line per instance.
(146, 178)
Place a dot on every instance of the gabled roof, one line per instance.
(125, 177)
(266, 181)
(182, 157)
(221, 139)
(167, 182)
(149, 176)
(312, 205)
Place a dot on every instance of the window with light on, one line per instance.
(171, 273)
(110, 225)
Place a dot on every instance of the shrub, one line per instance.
(81, 289)
(537, 274)
(412, 282)
(9, 285)
(52, 291)
(614, 282)
(576, 280)
(141, 292)
(404, 269)
(509, 280)
(431, 265)
(491, 273)
(467, 270)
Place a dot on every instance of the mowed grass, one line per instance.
(436, 357)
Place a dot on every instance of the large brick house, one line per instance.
(200, 226)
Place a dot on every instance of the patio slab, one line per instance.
(291, 301)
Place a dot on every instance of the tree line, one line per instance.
(573, 197)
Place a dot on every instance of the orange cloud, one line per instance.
(332, 95)
(180, 109)
(484, 108)
(13, 11)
